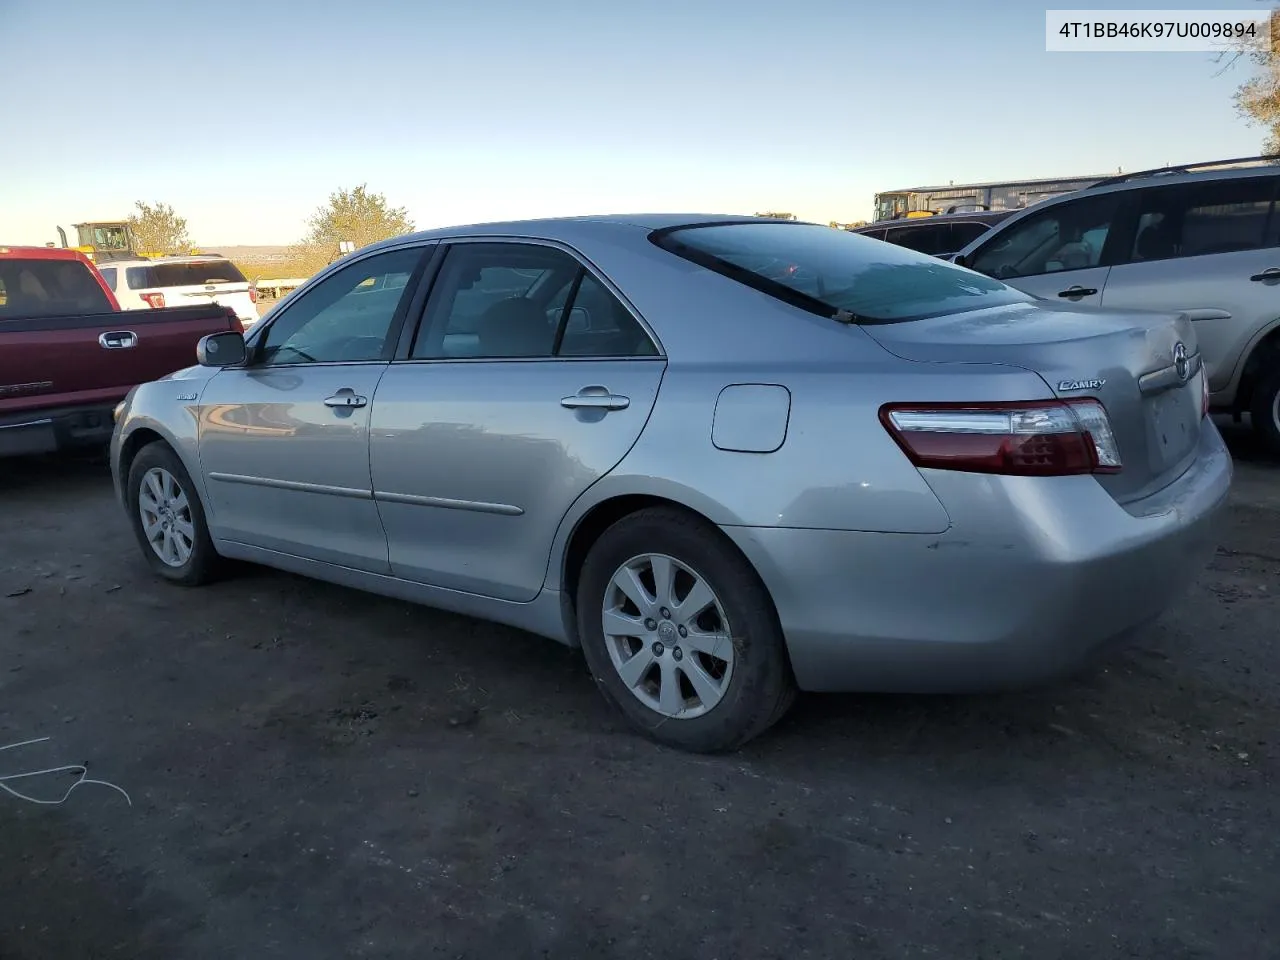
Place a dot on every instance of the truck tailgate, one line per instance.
(96, 358)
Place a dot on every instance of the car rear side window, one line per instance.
(50, 288)
(963, 234)
(835, 273)
(109, 276)
(1198, 219)
(933, 238)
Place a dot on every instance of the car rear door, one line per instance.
(529, 380)
(1210, 249)
(1061, 253)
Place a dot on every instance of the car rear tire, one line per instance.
(168, 518)
(1265, 410)
(680, 633)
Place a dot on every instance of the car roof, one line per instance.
(41, 253)
(1142, 181)
(567, 229)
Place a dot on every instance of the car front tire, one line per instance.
(1265, 410)
(680, 633)
(168, 518)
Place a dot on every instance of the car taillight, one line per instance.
(153, 299)
(253, 295)
(1049, 438)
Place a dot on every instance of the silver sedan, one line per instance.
(729, 458)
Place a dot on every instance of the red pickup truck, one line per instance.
(68, 354)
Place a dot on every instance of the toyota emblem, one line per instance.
(1180, 362)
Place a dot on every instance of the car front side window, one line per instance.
(346, 318)
(1068, 236)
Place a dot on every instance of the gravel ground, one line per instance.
(317, 773)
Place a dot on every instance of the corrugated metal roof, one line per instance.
(1000, 183)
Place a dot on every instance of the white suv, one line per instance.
(1203, 240)
(181, 281)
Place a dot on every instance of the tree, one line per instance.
(157, 229)
(1258, 99)
(355, 215)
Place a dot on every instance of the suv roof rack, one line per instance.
(1188, 168)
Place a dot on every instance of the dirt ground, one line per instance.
(317, 773)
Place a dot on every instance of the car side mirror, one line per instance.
(221, 350)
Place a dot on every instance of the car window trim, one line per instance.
(423, 320)
(254, 342)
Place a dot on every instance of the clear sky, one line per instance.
(245, 114)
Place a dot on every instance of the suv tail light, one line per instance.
(153, 299)
(1040, 438)
(253, 294)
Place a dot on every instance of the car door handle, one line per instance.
(1077, 292)
(345, 400)
(118, 340)
(1271, 273)
(598, 399)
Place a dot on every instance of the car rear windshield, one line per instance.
(49, 288)
(835, 273)
(199, 273)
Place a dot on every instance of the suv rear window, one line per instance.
(198, 274)
(49, 288)
(835, 273)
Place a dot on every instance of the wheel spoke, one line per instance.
(153, 483)
(663, 581)
(632, 671)
(695, 601)
(186, 530)
(707, 689)
(152, 528)
(618, 624)
(670, 699)
(629, 583)
(715, 644)
(180, 504)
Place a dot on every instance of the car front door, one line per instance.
(1210, 249)
(528, 380)
(1061, 253)
(284, 440)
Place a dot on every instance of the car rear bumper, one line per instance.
(1035, 577)
(48, 431)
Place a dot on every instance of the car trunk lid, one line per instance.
(1143, 367)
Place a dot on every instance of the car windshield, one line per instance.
(836, 273)
(196, 273)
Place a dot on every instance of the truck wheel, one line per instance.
(1265, 410)
(680, 634)
(168, 518)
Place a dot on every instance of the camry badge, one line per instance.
(1066, 386)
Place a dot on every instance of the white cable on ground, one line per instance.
(69, 768)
